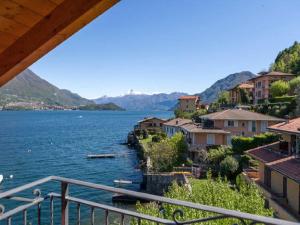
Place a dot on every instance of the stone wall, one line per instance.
(157, 184)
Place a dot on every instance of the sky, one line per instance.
(155, 46)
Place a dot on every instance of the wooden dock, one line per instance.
(101, 156)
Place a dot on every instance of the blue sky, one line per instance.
(154, 46)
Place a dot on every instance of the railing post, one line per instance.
(64, 204)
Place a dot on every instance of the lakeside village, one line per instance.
(249, 137)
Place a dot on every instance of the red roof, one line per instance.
(288, 166)
(188, 97)
(291, 126)
(265, 153)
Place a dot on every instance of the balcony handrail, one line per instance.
(65, 197)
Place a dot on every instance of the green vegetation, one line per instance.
(193, 115)
(241, 144)
(242, 197)
(288, 60)
(229, 166)
(223, 98)
(99, 107)
(294, 84)
(245, 97)
(165, 153)
(279, 88)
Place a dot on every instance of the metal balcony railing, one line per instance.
(65, 200)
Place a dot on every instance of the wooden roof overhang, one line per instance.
(31, 28)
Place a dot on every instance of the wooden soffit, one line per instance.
(31, 28)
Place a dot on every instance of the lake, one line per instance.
(36, 144)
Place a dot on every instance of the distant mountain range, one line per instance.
(143, 101)
(29, 87)
(211, 93)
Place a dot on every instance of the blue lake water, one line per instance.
(36, 144)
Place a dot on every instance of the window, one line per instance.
(230, 123)
(210, 139)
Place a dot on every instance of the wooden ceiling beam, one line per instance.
(66, 19)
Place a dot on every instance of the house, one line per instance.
(201, 138)
(173, 126)
(236, 93)
(150, 123)
(240, 122)
(278, 173)
(189, 103)
(262, 84)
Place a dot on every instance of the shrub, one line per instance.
(156, 138)
(241, 144)
(209, 192)
(279, 88)
(294, 84)
(229, 166)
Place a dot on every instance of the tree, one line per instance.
(279, 88)
(294, 83)
(288, 60)
(229, 166)
(223, 98)
(245, 98)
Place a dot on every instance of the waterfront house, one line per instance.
(150, 123)
(236, 93)
(278, 173)
(173, 126)
(188, 103)
(262, 84)
(201, 138)
(240, 122)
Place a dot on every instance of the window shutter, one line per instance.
(236, 123)
(249, 126)
(225, 123)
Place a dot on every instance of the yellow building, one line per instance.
(189, 103)
(278, 173)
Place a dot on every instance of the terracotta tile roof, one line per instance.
(188, 97)
(265, 153)
(194, 128)
(272, 73)
(288, 166)
(243, 86)
(177, 122)
(151, 118)
(239, 114)
(292, 126)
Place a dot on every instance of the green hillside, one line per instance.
(28, 87)
(288, 60)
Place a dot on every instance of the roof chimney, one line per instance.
(176, 122)
(287, 119)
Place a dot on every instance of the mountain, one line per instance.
(211, 93)
(101, 107)
(29, 87)
(288, 60)
(143, 101)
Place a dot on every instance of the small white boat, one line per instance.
(1, 178)
(122, 181)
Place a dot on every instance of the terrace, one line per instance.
(64, 200)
